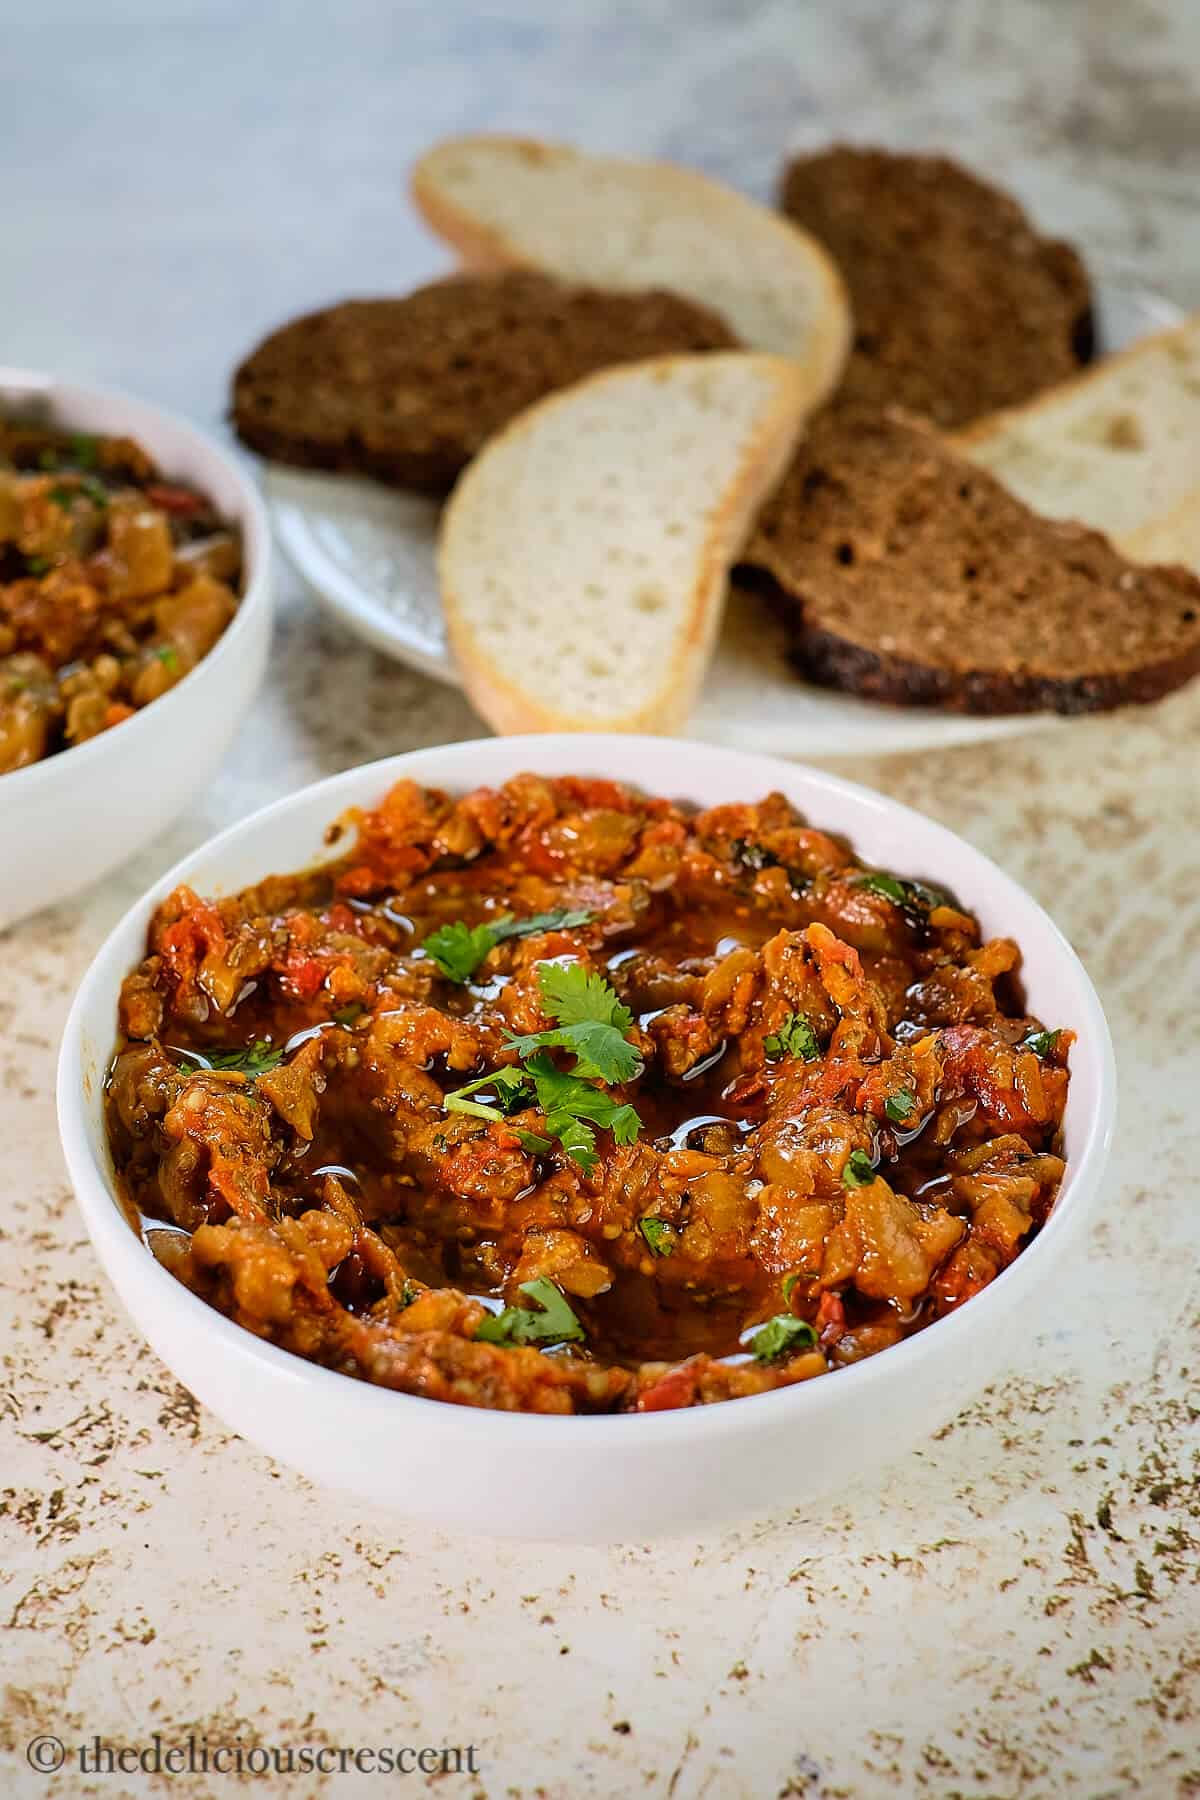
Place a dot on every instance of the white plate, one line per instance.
(368, 552)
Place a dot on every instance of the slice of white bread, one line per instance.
(1117, 448)
(1172, 538)
(584, 554)
(612, 222)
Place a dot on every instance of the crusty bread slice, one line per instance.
(906, 574)
(616, 223)
(583, 555)
(1117, 448)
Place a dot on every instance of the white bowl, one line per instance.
(610, 1477)
(71, 818)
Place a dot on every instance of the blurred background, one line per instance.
(183, 174)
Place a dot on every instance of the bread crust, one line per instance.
(509, 708)
(833, 662)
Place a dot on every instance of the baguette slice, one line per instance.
(583, 555)
(908, 575)
(1117, 448)
(616, 223)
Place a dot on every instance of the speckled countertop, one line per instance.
(1014, 1611)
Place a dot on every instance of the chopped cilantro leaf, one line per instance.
(534, 1142)
(409, 1292)
(577, 996)
(168, 656)
(795, 1037)
(577, 1139)
(859, 1170)
(658, 1235)
(573, 1104)
(601, 1052)
(571, 1107)
(780, 1336)
(881, 883)
(911, 894)
(558, 919)
(1042, 1043)
(752, 856)
(348, 1014)
(510, 1086)
(458, 949)
(592, 1024)
(86, 485)
(552, 1323)
(901, 1106)
(253, 1059)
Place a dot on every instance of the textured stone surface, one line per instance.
(1014, 1610)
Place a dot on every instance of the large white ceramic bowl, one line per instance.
(68, 820)
(613, 1477)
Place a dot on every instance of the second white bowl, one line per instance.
(68, 820)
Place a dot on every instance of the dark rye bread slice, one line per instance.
(960, 306)
(407, 390)
(907, 574)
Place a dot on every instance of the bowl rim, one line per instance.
(256, 571)
(116, 1242)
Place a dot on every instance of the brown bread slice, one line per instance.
(909, 575)
(960, 306)
(409, 389)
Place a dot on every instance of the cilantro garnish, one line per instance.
(552, 1323)
(168, 656)
(912, 894)
(87, 485)
(795, 1037)
(591, 1024)
(37, 565)
(348, 1014)
(660, 1239)
(253, 1059)
(859, 1170)
(573, 1106)
(510, 1086)
(458, 949)
(750, 855)
(1042, 1043)
(901, 1106)
(780, 1336)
